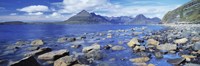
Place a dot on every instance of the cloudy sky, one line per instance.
(59, 10)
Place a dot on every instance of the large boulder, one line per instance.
(65, 61)
(38, 52)
(92, 47)
(152, 42)
(140, 60)
(167, 47)
(117, 48)
(181, 41)
(37, 42)
(28, 61)
(54, 55)
(133, 42)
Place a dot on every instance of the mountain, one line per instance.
(12, 22)
(119, 20)
(187, 13)
(141, 19)
(85, 17)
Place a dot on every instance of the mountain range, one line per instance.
(85, 17)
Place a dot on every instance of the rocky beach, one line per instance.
(173, 45)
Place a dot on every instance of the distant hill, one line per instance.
(85, 17)
(187, 13)
(12, 22)
(141, 19)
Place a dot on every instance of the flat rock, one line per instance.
(65, 61)
(167, 47)
(152, 42)
(181, 41)
(92, 47)
(133, 42)
(176, 61)
(37, 42)
(28, 61)
(140, 60)
(118, 48)
(54, 55)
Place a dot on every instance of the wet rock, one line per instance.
(139, 64)
(94, 55)
(158, 55)
(71, 39)
(118, 48)
(167, 47)
(181, 41)
(21, 42)
(28, 61)
(38, 52)
(188, 57)
(109, 35)
(143, 54)
(83, 60)
(104, 64)
(54, 55)
(152, 42)
(139, 60)
(33, 48)
(62, 40)
(133, 42)
(150, 65)
(139, 48)
(195, 39)
(92, 47)
(107, 46)
(196, 46)
(191, 64)
(76, 46)
(37, 42)
(65, 61)
(80, 65)
(176, 61)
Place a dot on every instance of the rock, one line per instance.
(109, 35)
(104, 64)
(92, 47)
(196, 46)
(33, 48)
(158, 55)
(118, 48)
(54, 55)
(176, 61)
(37, 42)
(139, 64)
(143, 54)
(65, 61)
(76, 46)
(83, 60)
(152, 42)
(28, 61)
(107, 46)
(198, 51)
(62, 40)
(140, 60)
(132, 42)
(94, 55)
(191, 64)
(181, 41)
(71, 39)
(195, 39)
(38, 52)
(150, 65)
(21, 43)
(139, 48)
(188, 57)
(80, 65)
(167, 47)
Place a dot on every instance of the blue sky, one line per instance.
(59, 10)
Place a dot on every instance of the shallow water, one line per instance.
(50, 33)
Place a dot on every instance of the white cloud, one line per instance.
(34, 8)
(36, 13)
(13, 14)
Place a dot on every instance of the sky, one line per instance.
(60, 10)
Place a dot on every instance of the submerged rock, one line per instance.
(133, 42)
(118, 48)
(53, 55)
(176, 61)
(167, 47)
(140, 60)
(28, 61)
(181, 41)
(37, 42)
(152, 42)
(65, 61)
(94, 55)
